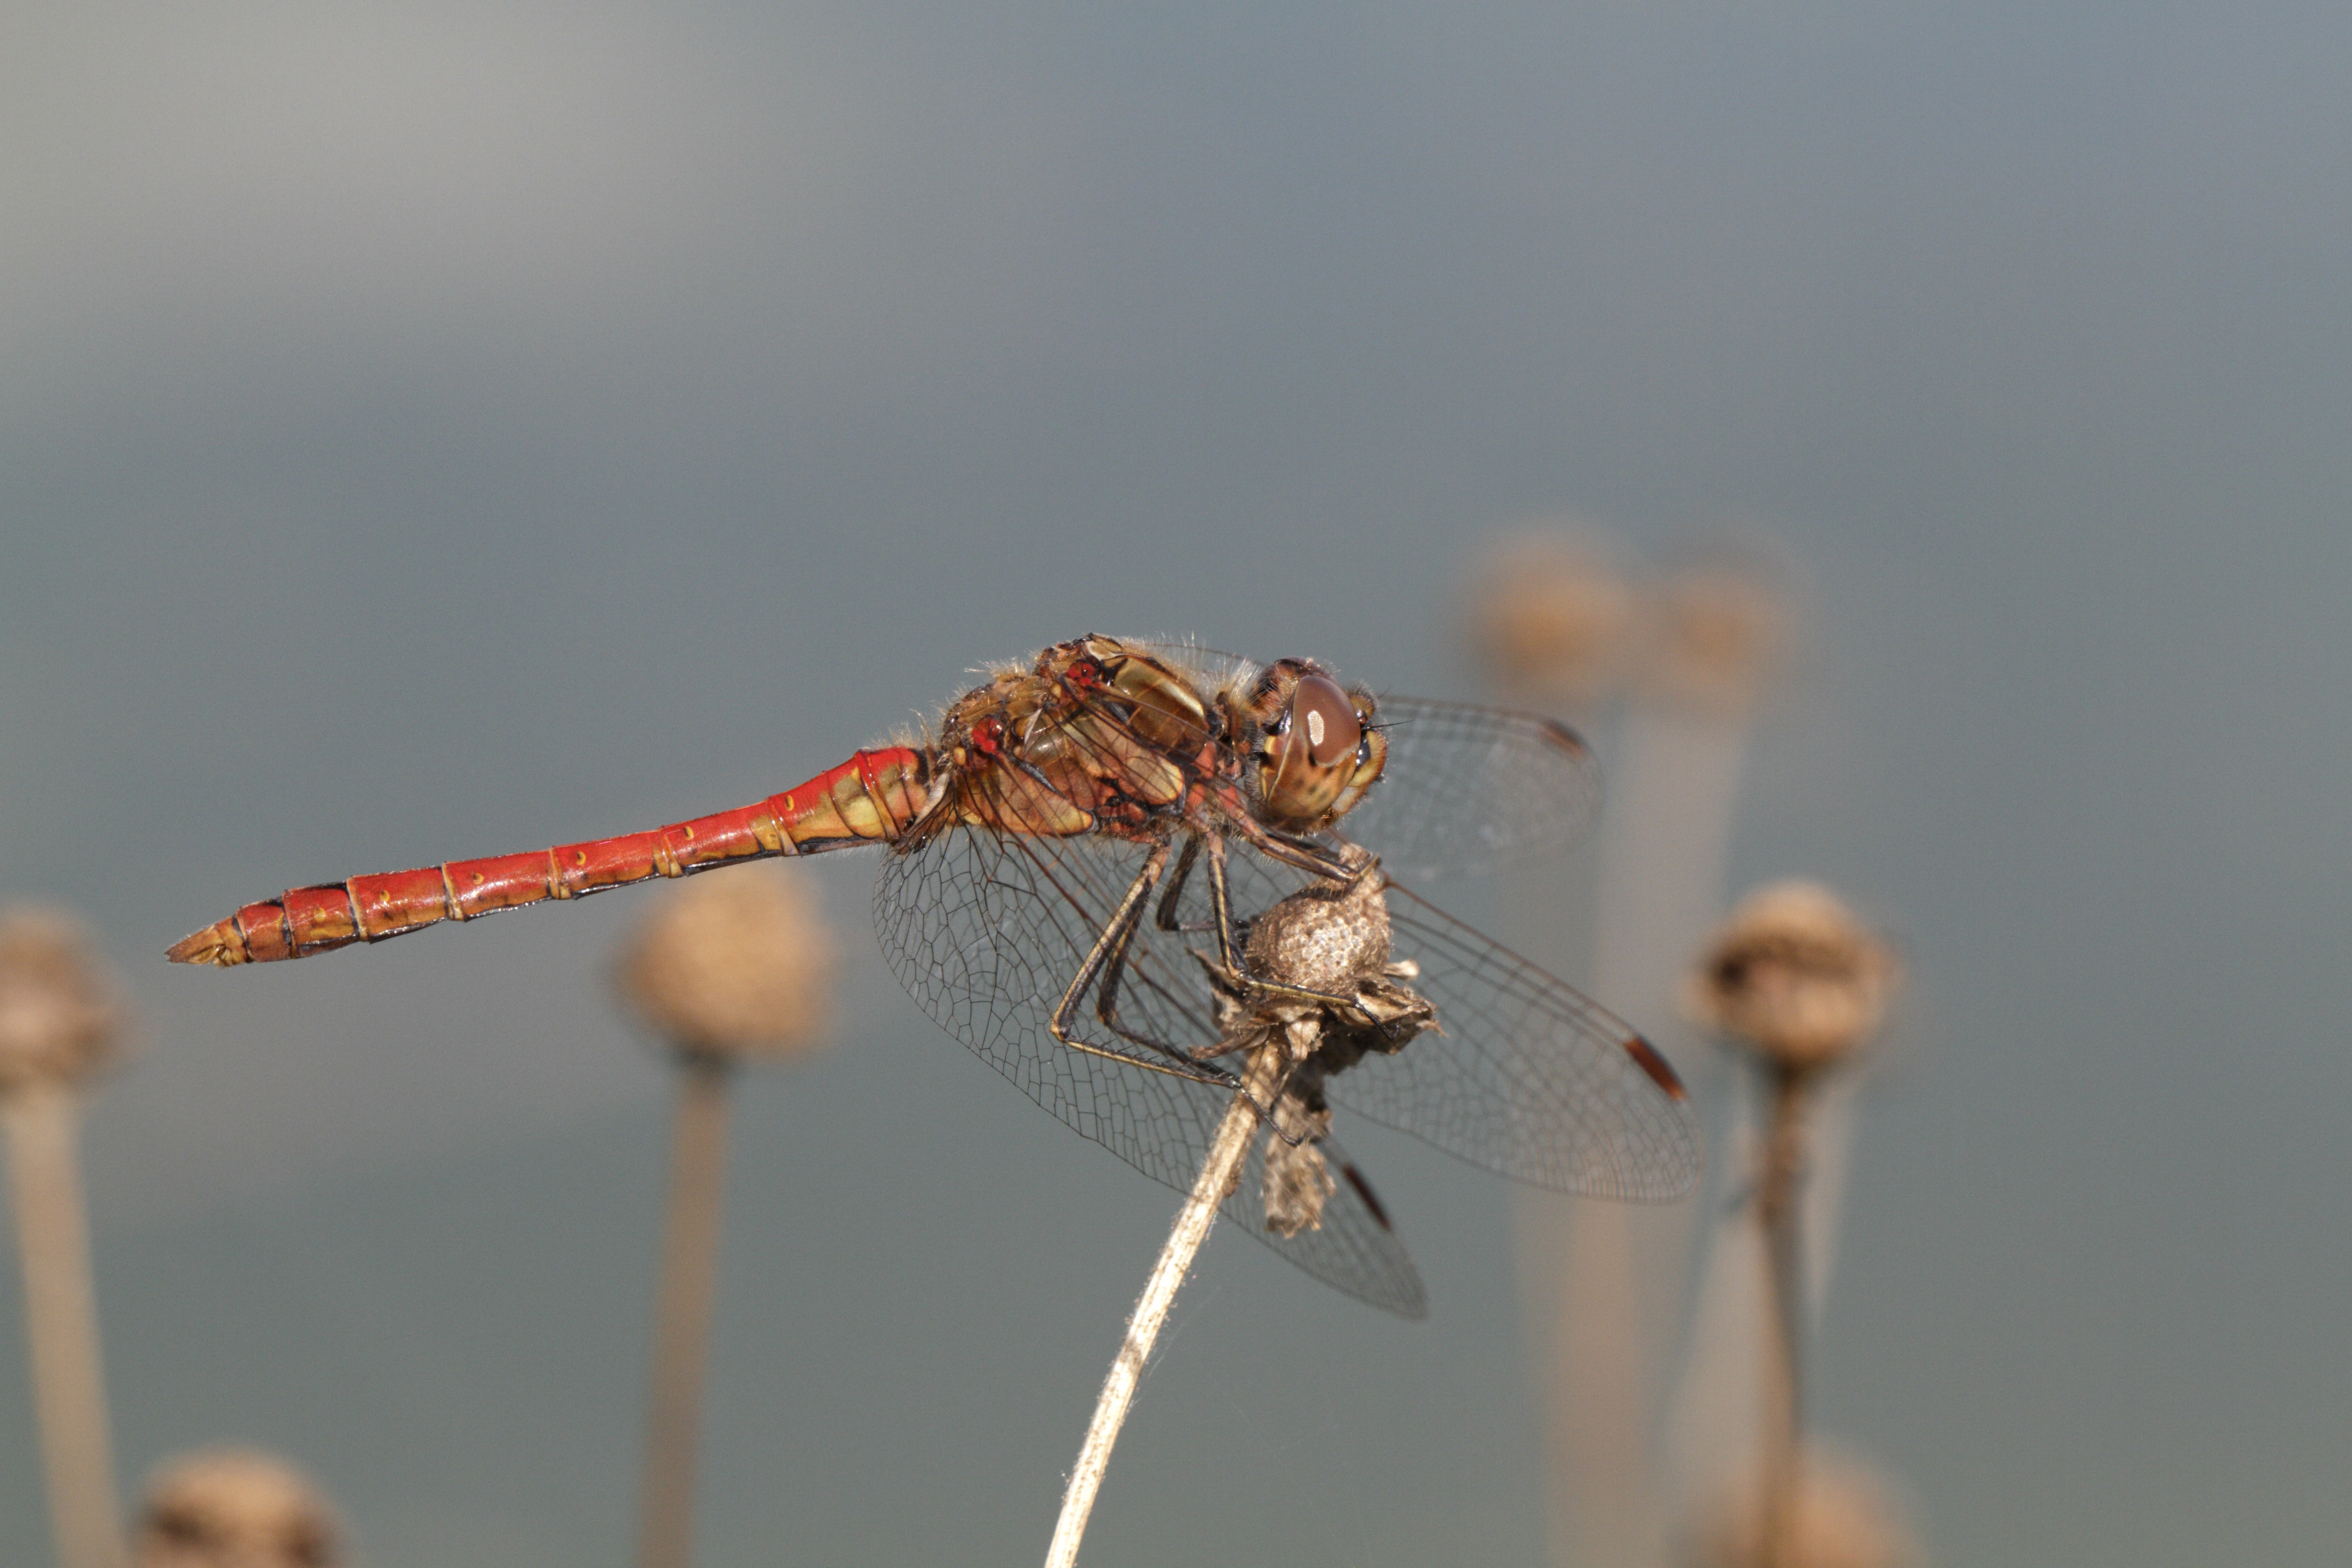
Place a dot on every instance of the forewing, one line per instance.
(1468, 788)
(1528, 1077)
(986, 930)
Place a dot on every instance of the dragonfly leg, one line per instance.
(1108, 953)
(1333, 865)
(1299, 853)
(1229, 955)
(1215, 1078)
(1259, 992)
(1105, 962)
(1166, 918)
(1278, 989)
(1112, 938)
(1221, 906)
(1114, 969)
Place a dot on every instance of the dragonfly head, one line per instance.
(1317, 750)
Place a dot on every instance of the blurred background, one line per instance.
(427, 433)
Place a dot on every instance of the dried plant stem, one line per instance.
(1779, 1204)
(1614, 1301)
(682, 1317)
(62, 1323)
(1220, 1174)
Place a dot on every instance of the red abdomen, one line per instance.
(872, 798)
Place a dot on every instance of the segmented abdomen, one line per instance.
(871, 798)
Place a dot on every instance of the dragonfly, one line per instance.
(1076, 858)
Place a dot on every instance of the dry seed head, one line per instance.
(1325, 938)
(1334, 941)
(738, 965)
(1720, 633)
(1297, 1183)
(1845, 1516)
(1550, 615)
(235, 1508)
(1794, 976)
(59, 1018)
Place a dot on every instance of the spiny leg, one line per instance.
(1166, 918)
(1300, 854)
(1222, 919)
(1113, 970)
(1335, 866)
(1115, 967)
(1108, 952)
(1256, 991)
(1221, 907)
(1220, 902)
(1112, 936)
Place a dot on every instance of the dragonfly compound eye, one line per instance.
(1322, 715)
(1312, 759)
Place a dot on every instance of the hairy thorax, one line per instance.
(1097, 736)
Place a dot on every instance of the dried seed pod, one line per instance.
(1326, 937)
(1844, 1515)
(58, 1020)
(1795, 977)
(737, 965)
(1298, 1183)
(235, 1508)
(1720, 633)
(1333, 942)
(1551, 616)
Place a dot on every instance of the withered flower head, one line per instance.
(1720, 632)
(59, 1018)
(235, 1508)
(1550, 615)
(1844, 1515)
(1334, 942)
(1794, 976)
(736, 963)
(1325, 938)
(1299, 1180)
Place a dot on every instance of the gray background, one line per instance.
(427, 433)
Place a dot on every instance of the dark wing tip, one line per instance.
(1364, 1191)
(1411, 1303)
(1662, 1072)
(1562, 738)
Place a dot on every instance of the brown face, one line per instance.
(1319, 751)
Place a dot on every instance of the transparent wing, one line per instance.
(1466, 788)
(1529, 1078)
(986, 930)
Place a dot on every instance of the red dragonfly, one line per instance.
(1078, 823)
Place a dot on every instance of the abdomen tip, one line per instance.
(222, 945)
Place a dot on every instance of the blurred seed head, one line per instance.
(235, 1508)
(1845, 1516)
(1551, 616)
(1795, 977)
(59, 1021)
(736, 963)
(1719, 632)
